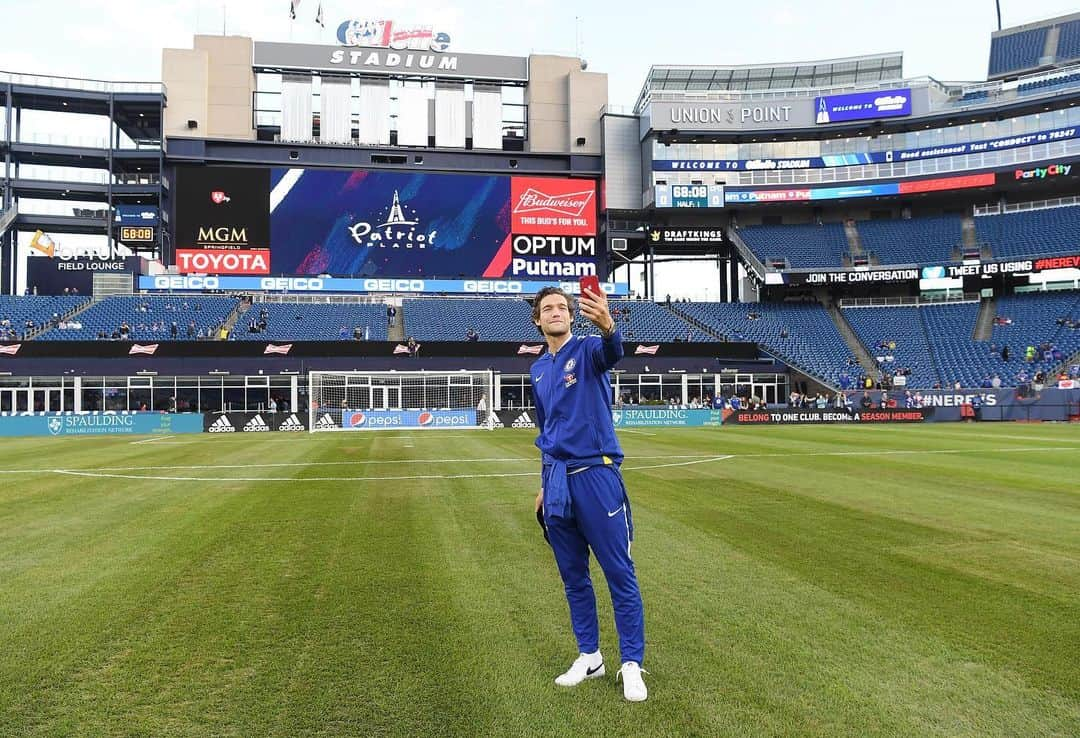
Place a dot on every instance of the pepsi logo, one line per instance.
(357, 419)
(426, 419)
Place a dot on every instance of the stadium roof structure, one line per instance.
(826, 73)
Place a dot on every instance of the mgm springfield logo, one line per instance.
(397, 232)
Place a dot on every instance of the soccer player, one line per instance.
(582, 493)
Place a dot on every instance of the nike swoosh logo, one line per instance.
(590, 672)
(539, 376)
(613, 514)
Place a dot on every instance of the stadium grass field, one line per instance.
(891, 580)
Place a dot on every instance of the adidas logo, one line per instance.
(292, 423)
(326, 422)
(221, 425)
(523, 421)
(256, 425)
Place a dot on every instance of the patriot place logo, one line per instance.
(398, 231)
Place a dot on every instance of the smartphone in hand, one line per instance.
(590, 283)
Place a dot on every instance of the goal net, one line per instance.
(400, 400)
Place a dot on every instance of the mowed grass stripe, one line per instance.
(790, 596)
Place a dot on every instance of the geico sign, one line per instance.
(291, 283)
(555, 245)
(497, 287)
(223, 262)
(394, 285)
(186, 283)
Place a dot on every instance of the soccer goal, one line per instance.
(400, 400)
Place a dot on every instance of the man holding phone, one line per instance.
(582, 502)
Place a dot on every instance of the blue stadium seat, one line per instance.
(804, 246)
(902, 325)
(812, 342)
(290, 321)
(643, 320)
(1031, 233)
(913, 241)
(1069, 41)
(1017, 51)
(38, 308)
(140, 312)
(448, 319)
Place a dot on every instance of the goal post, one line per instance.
(347, 401)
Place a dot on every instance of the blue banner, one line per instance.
(665, 417)
(863, 106)
(135, 215)
(873, 157)
(96, 424)
(369, 419)
(174, 283)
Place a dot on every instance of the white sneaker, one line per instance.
(633, 686)
(585, 666)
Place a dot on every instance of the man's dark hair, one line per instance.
(570, 305)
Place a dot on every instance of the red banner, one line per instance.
(551, 206)
(223, 261)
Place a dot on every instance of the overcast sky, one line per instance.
(122, 39)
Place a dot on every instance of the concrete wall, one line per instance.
(211, 84)
(564, 105)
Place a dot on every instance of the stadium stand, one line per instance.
(878, 327)
(935, 341)
(292, 321)
(448, 319)
(801, 333)
(1032, 232)
(1017, 51)
(16, 311)
(1044, 84)
(1069, 41)
(149, 318)
(643, 320)
(914, 241)
(804, 246)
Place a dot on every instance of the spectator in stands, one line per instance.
(867, 402)
(821, 402)
(391, 313)
(909, 400)
(793, 399)
(886, 401)
(273, 406)
(995, 382)
(66, 292)
(191, 329)
(358, 333)
(783, 333)
(845, 380)
(343, 333)
(414, 347)
(174, 329)
(1005, 354)
(986, 382)
(472, 336)
(125, 330)
(74, 290)
(957, 385)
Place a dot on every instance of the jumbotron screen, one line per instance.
(375, 223)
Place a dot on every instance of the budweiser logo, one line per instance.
(535, 350)
(276, 349)
(567, 203)
(149, 349)
(651, 350)
(10, 350)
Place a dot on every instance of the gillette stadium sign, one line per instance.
(390, 59)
